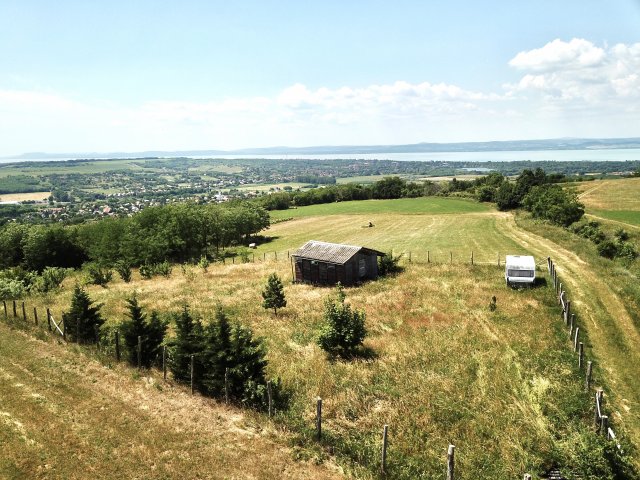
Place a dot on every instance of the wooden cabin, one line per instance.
(322, 263)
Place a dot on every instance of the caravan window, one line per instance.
(520, 273)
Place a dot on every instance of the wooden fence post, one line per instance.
(471, 257)
(164, 362)
(560, 294)
(319, 418)
(4, 304)
(570, 331)
(498, 259)
(49, 318)
(450, 462)
(117, 346)
(569, 308)
(383, 465)
(139, 352)
(15, 314)
(598, 407)
(264, 256)
(409, 256)
(35, 315)
(192, 374)
(587, 381)
(580, 355)
(428, 257)
(276, 255)
(270, 397)
(451, 258)
(24, 313)
(576, 339)
(605, 425)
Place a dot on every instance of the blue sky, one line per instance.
(134, 75)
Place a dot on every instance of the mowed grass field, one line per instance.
(20, 197)
(616, 200)
(403, 206)
(425, 228)
(501, 385)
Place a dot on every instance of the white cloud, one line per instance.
(579, 75)
(570, 88)
(575, 54)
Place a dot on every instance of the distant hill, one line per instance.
(510, 145)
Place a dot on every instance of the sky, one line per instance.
(135, 75)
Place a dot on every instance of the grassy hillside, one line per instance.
(501, 385)
(617, 200)
(424, 205)
(65, 415)
(606, 297)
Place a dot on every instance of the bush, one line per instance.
(590, 230)
(486, 193)
(344, 330)
(388, 264)
(204, 263)
(149, 270)
(124, 270)
(627, 250)
(99, 275)
(550, 202)
(621, 235)
(146, 271)
(51, 279)
(11, 289)
(162, 268)
(608, 249)
(83, 321)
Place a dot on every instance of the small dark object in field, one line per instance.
(492, 303)
(370, 224)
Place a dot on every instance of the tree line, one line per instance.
(178, 233)
(228, 362)
(533, 190)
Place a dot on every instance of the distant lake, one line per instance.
(595, 155)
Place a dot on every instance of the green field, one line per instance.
(438, 236)
(424, 205)
(503, 385)
(617, 200)
(361, 179)
(632, 217)
(94, 166)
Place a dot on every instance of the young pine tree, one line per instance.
(273, 294)
(247, 375)
(344, 330)
(151, 333)
(83, 321)
(188, 341)
(216, 354)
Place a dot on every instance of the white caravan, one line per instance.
(520, 270)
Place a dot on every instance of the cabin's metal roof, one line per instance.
(331, 252)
